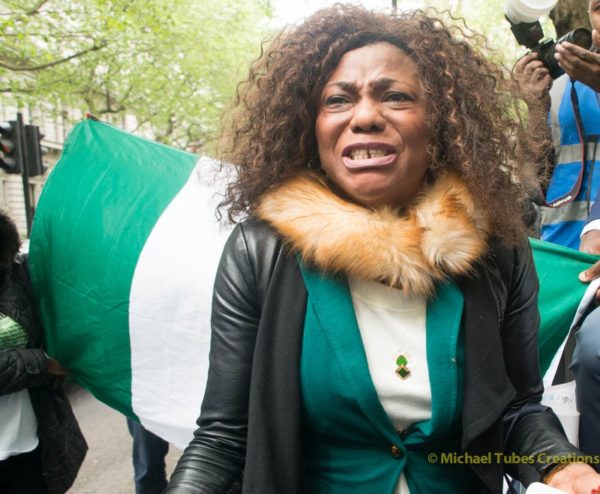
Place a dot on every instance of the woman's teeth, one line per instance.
(365, 154)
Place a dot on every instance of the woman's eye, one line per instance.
(397, 97)
(335, 101)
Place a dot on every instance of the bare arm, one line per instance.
(533, 83)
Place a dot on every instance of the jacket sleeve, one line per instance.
(22, 368)
(214, 459)
(531, 430)
(594, 214)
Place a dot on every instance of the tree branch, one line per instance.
(12, 90)
(105, 111)
(33, 68)
(140, 123)
(109, 105)
(36, 8)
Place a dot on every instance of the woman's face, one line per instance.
(371, 129)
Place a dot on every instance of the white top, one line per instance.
(18, 424)
(592, 225)
(393, 324)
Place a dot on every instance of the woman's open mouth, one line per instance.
(373, 156)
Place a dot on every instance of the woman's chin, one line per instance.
(373, 199)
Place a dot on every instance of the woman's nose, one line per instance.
(367, 117)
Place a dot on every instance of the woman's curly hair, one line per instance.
(470, 108)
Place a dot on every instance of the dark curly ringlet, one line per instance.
(10, 242)
(470, 107)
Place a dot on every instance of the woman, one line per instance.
(375, 316)
(41, 445)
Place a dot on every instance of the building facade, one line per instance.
(54, 126)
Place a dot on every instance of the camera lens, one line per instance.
(581, 37)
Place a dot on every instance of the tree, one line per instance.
(569, 15)
(487, 17)
(172, 65)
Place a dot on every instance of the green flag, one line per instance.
(560, 292)
(123, 252)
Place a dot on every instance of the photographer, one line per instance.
(568, 153)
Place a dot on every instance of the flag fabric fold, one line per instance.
(560, 293)
(122, 257)
(123, 253)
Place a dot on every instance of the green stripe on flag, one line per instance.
(560, 293)
(95, 214)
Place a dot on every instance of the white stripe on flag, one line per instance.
(169, 313)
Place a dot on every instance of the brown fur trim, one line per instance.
(441, 235)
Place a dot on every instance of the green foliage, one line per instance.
(172, 65)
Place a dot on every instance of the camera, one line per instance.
(523, 17)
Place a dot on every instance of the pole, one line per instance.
(24, 172)
(394, 6)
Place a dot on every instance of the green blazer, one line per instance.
(350, 443)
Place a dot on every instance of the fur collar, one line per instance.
(440, 236)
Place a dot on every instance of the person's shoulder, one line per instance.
(259, 239)
(256, 248)
(254, 228)
(508, 258)
(252, 231)
(509, 251)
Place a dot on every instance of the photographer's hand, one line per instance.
(57, 373)
(590, 243)
(581, 64)
(55, 368)
(534, 82)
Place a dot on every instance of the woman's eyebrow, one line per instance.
(344, 85)
(376, 85)
(382, 83)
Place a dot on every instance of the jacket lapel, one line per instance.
(443, 327)
(331, 300)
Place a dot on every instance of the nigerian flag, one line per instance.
(560, 293)
(123, 253)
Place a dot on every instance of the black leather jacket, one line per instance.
(251, 415)
(62, 445)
